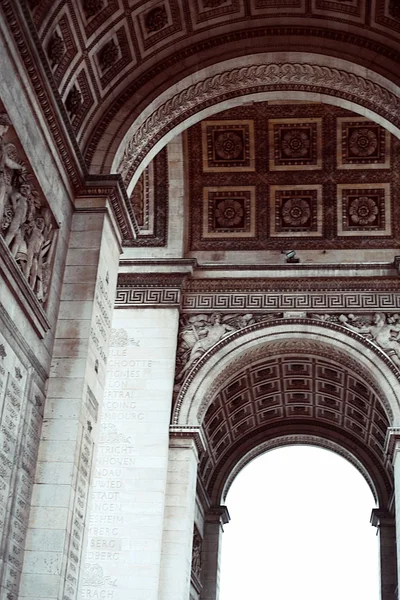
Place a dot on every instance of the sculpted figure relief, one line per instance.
(7, 162)
(385, 333)
(26, 225)
(199, 333)
(379, 328)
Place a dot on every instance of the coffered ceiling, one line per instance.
(110, 58)
(270, 175)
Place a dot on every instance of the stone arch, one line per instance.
(218, 364)
(226, 84)
(304, 440)
(220, 396)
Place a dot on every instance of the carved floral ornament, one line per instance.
(239, 81)
(199, 334)
(26, 223)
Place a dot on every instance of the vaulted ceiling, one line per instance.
(111, 58)
(295, 393)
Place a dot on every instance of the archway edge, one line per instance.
(221, 362)
(304, 440)
(256, 77)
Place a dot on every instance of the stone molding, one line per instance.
(256, 77)
(111, 187)
(380, 517)
(189, 433)
(392, 442)
(143, 290)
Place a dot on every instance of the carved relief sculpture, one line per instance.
(8, 163)
(196, 553)
(26, 224)
(199, 333)
(382, 330)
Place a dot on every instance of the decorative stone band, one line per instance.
(149, 291)
(392, 442)
(254, 79)
(279, 301)
(189, 433)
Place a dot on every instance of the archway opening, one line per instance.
(300, 527)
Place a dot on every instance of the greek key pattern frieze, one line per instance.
(258, 301)
(150, 297)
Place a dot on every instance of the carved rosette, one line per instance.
(156, 19)
(56, 49)
(108, 55)
(92, 7)
(73, 101)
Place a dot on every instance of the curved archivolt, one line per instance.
(318, 79)
(297, 380)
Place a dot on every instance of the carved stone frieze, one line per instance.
(26, 222)
(383, 330)
(201, 333)
(149, 290)
(270, 295)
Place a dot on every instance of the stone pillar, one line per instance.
(386, 525)
(215, 519)
(127, 509)
(392, 450)
(55, 538)
(176, 558)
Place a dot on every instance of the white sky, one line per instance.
(299, 530)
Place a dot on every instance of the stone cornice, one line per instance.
(272, 284)
(295, 294)
(392, 439)
(112, 187)
(218, 514)
(189, 433)
(380, 517)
